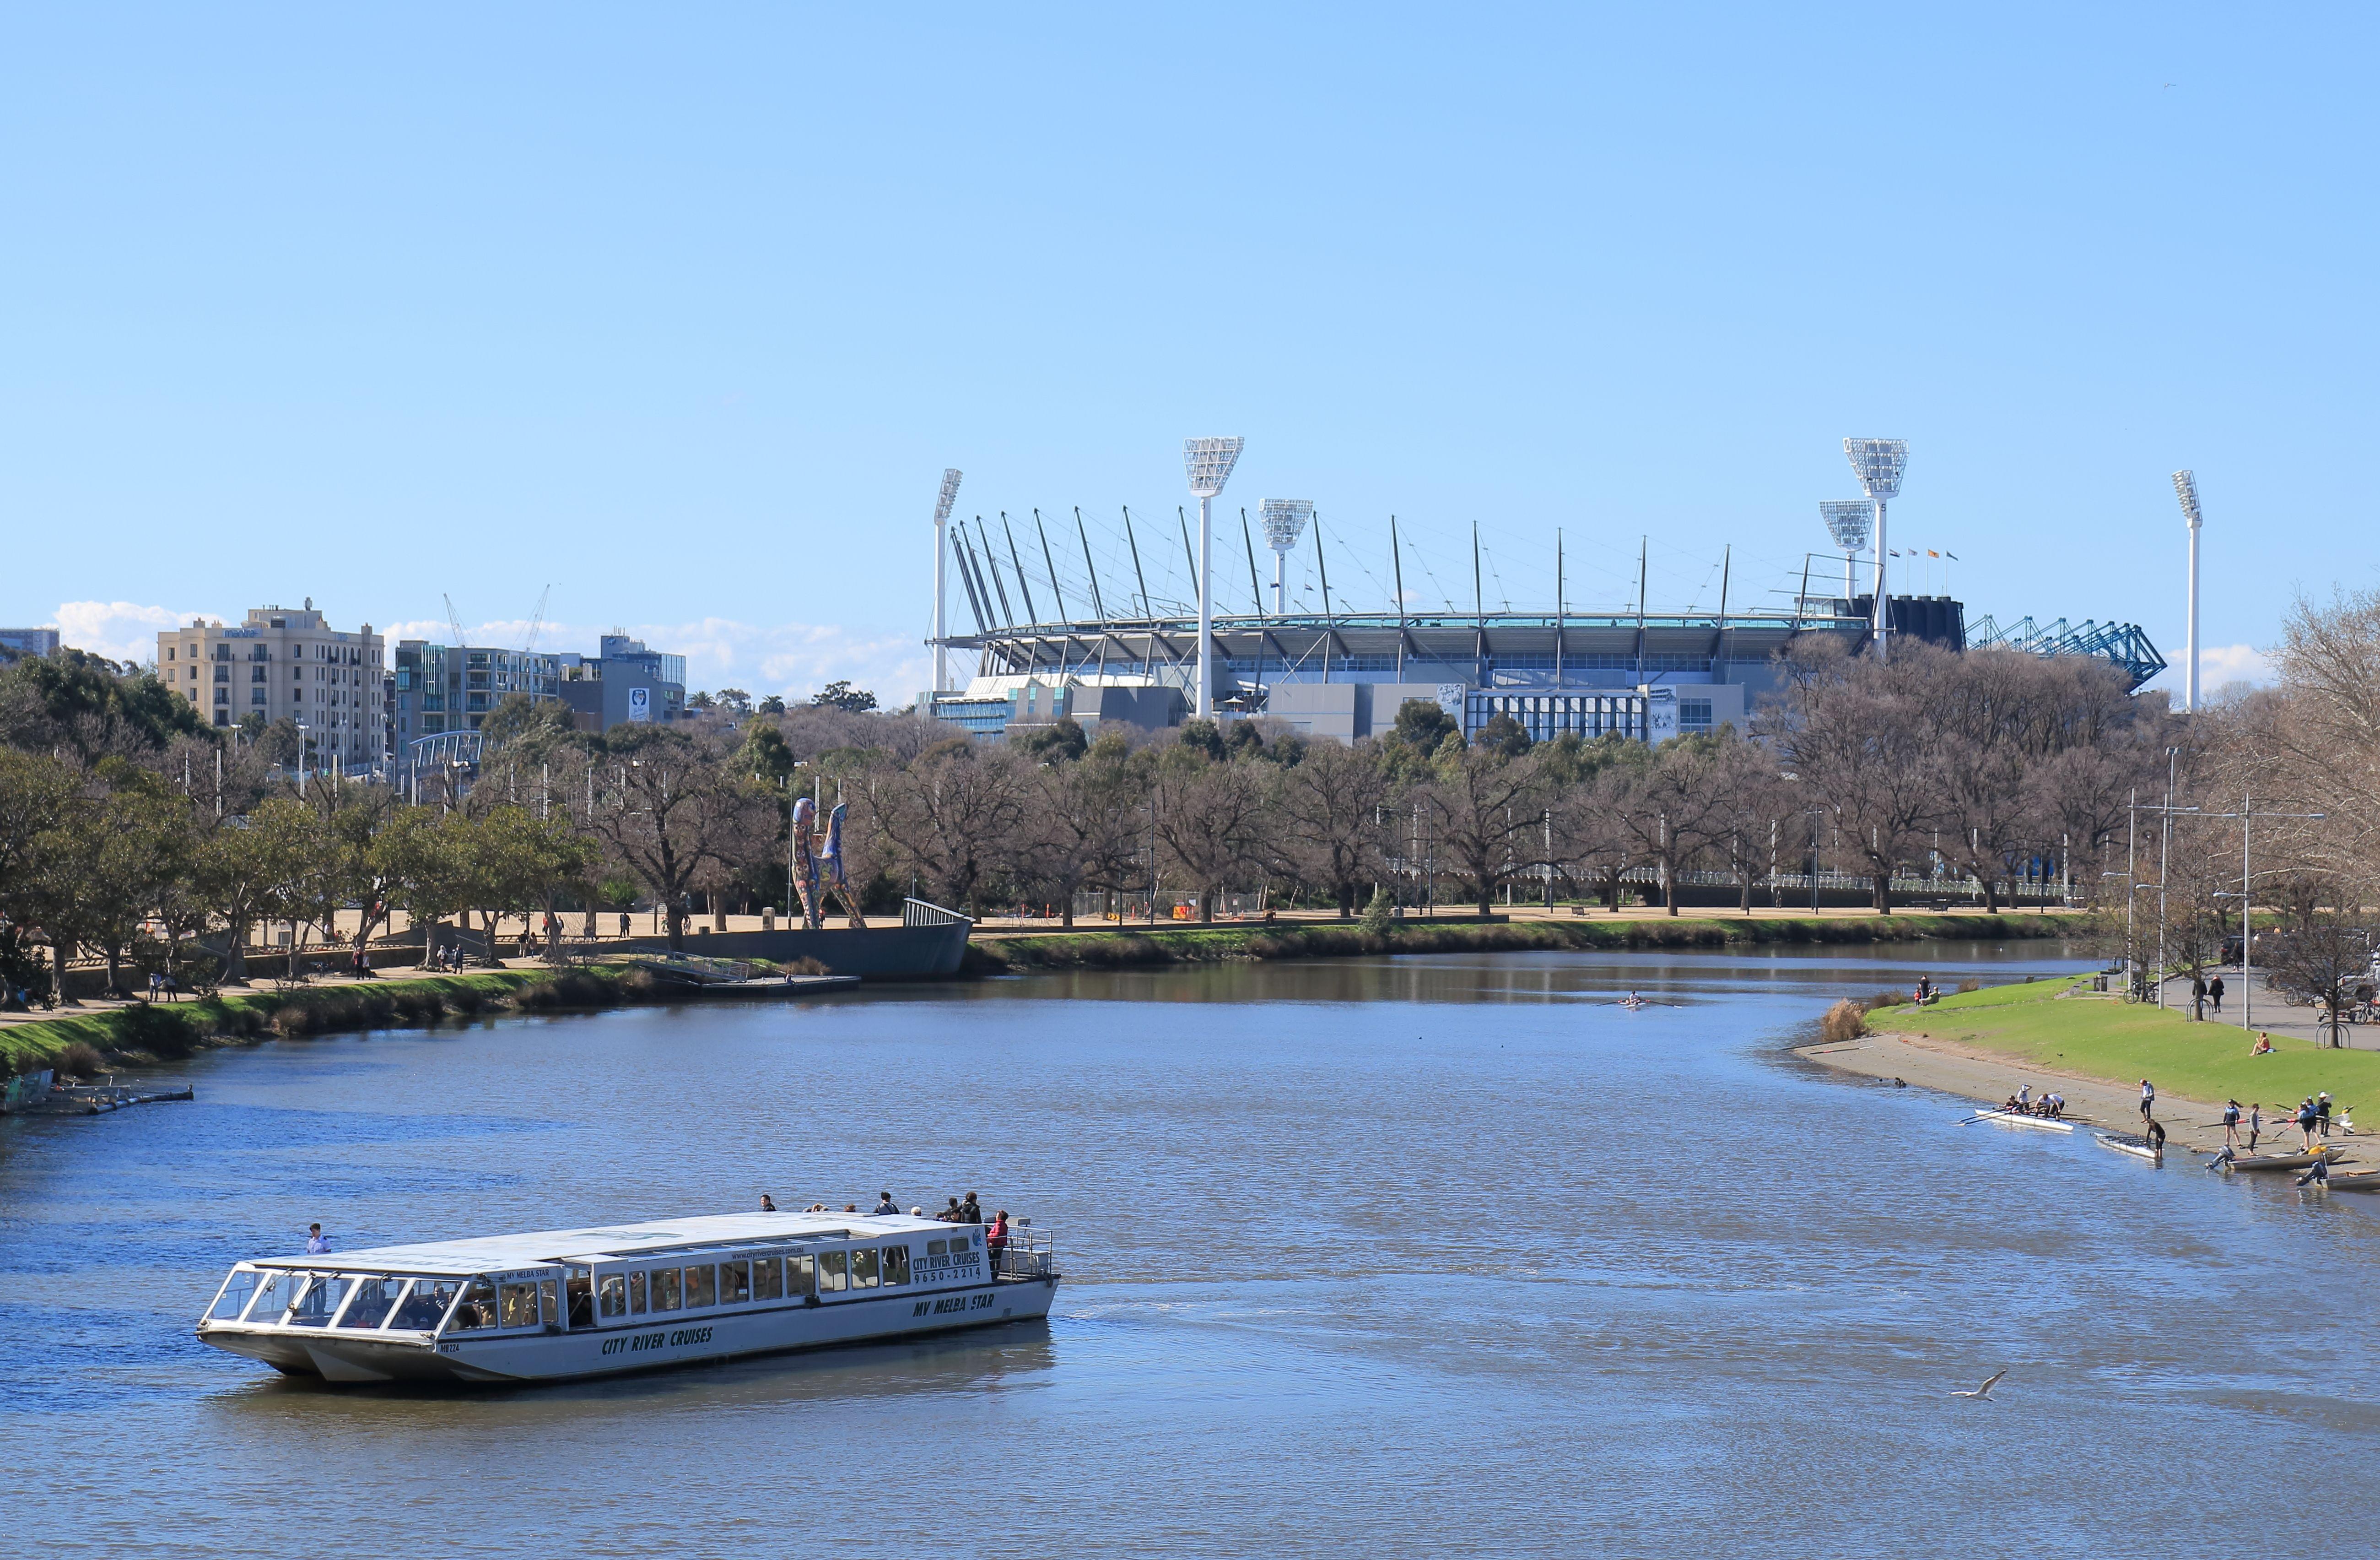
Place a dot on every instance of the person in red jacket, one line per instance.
(995, 1240)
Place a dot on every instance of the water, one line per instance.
(1440, 1255)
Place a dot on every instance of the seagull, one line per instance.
(1984, 1391)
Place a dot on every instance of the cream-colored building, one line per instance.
(286, 663)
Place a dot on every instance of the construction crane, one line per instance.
(536, 621)
(454, 622)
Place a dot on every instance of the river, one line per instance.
(1432, 1255)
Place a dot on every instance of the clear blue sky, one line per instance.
(684, 310)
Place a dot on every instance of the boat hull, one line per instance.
(650, 1343)
(2285, 1160)
(2037, 1123)
(2138, 1150)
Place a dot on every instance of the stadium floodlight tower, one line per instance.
(2185, 487)
(1284, 522)
(942, 551)
(1209, 463)
(1879, 464)
(1848, 521)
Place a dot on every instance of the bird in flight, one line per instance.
(1984, 1391)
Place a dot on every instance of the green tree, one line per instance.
(89, 703)
(1424, 724)
(1060, 741)
(841, 695)
(767, 755)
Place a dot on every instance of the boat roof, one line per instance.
(492, 1253)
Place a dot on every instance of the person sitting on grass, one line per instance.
(2264, 1046)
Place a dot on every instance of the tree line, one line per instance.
(134, 834)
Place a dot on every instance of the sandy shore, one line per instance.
(1989, 1077)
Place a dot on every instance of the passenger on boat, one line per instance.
(767, 1206)
(884, 1206)
(970, 1212)
(995, 1240)
(317, 1243)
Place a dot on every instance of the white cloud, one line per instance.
(2218, 667)
(119, 630)
(2218, 664)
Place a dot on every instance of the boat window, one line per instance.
(961, 1244)
(735, 1283)
(375, 1298)
(768, 1279)
(896, 1264)
(938, 1247)
(319, 1301)
(801, 1275)
(516, 1305)
(698, 1287)
(829, 1271)
(237, 1290)
(273, 1297)
(636, 1293)
(863, 1267)
(612, 1295)
(425, 1304)
(664, 1288)
(551, 1294)
(475, 1309)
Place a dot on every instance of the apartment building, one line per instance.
(285, 663)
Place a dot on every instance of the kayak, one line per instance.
(2280, 1160)
(2124, 1143)
(2038, 1123)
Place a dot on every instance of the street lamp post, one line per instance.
(1209, 463)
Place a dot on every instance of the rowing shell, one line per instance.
(2282, 1160)
(2129, 1145)
(2038, 1123)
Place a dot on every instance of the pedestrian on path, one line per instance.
(2215, 990)
(2148, 1099)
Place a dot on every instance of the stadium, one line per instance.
(1322, 665)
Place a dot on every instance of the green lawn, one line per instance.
(2123, 1042)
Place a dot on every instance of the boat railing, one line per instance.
(1030, 1253)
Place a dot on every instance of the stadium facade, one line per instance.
(1645, 675)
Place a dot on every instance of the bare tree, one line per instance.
(953, 816)
(1213, 819)
(1489, 810)
(1082, 822)
(671, 808)
(1331, 803)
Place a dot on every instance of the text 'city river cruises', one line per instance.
(560, 1304)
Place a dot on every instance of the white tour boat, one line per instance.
(559, 1304)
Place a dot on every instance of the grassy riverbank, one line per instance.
(993, 953)
(2122, 1042)
(167, 1030)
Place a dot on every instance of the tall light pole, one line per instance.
(1209, 463)
(1284, 522)
(1879, 464)
(2185, 487)
(941, 549)
(1849, 521)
